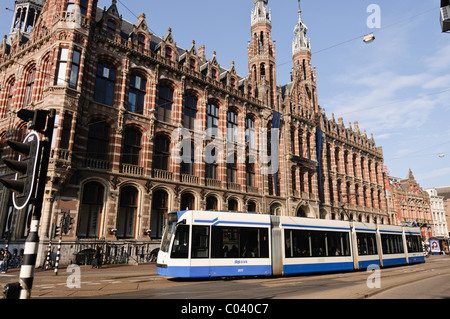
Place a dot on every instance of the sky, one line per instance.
(397, 87)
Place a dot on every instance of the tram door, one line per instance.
(200, 261)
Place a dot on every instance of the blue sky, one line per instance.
(397, 87)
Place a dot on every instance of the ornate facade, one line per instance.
(409, 204)
(126, 100)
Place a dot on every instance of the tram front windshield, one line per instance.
(172, 219)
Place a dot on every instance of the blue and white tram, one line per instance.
(200, 244)
(215, 244)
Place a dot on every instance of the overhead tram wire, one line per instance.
(362, 36)
(397, 101)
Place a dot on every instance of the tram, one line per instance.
(201, 244)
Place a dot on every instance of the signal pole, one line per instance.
(34, 167)
(58, 253)
(32, 243)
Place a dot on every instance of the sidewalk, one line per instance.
(86, 282)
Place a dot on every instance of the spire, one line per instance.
(301, 41)
(260, 13)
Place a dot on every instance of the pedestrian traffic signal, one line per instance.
(26, 168)
(67, 223)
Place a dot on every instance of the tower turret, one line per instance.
(26, 14)
(261, 53)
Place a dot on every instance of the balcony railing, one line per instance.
(234, 186)
(252, 189)
(210, 182)
(97, 164)
(162, 174)
(131, 169)
(189, 179)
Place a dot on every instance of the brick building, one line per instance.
(409, 204)
(127, 99)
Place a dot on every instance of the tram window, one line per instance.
(200, 242)
(180, 247)
(392, 244)
(239, 242)
(414, 244)
(318, 244)
(367, 244)
(304, 243)
(338, 244)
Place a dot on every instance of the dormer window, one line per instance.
(141, 41)
(233, 83)
(111, 27)
(169, 53)
(192, 63)
(214, 74)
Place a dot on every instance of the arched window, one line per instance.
(9, 91)
(211, 203)
(187, 201)
(131, 146)
(136, 94)
(159, 209)
(98, 140)
(232, 123)
(90, 210)
(251, 206)
(127, 212)
(30, 77)
(190, 111)
(104, 83)
(233, 205)
(250, 132)
(165, 101)
(212, 119)
(161, 154)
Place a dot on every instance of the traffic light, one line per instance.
(26, 168)
(67, 223)
(55, 231)
(37, 119)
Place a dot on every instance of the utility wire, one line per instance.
(362, 36)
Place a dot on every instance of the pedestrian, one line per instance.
(98, 257)
(6, 258)
(2, 252)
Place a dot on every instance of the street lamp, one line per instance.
(368, 38)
